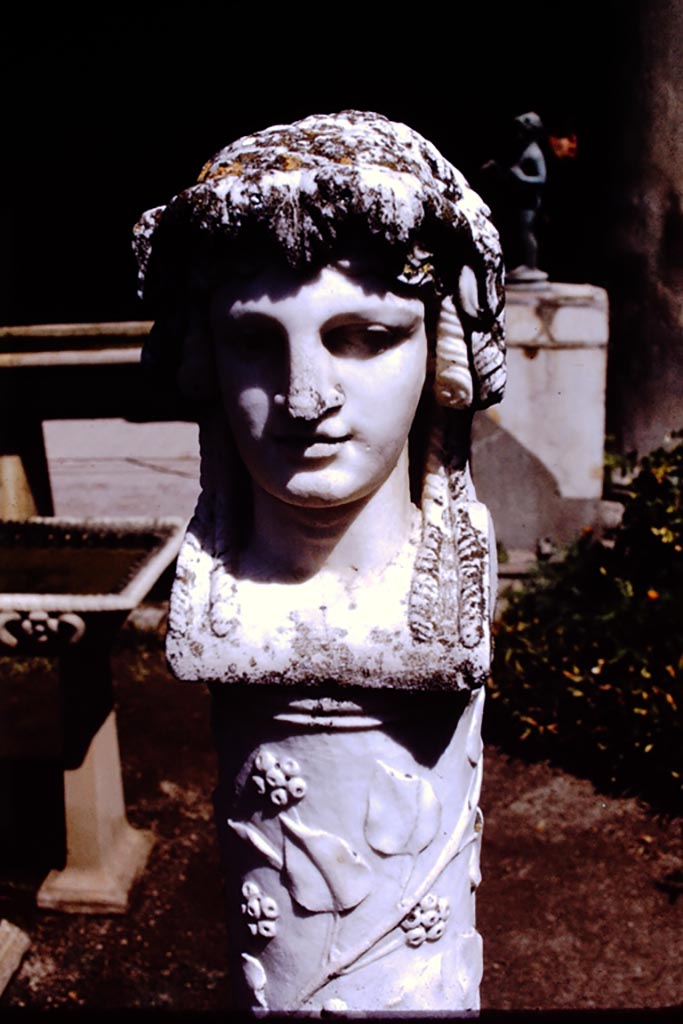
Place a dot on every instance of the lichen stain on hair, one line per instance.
(211, 173)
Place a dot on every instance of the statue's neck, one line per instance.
(294, 542)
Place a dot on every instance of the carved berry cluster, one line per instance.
(261, 911)
(281, 780)
(427, 920)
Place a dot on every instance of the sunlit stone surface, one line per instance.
(330, 294)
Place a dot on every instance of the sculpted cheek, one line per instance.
(252, 411)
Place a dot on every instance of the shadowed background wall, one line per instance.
(109, 114)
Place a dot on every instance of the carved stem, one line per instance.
(377, 955)
(412, 861)
(331, 937)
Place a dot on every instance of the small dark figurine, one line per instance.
(514, 184)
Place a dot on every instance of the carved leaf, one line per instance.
(421, 986)
(474, 747)
(324, 873)
(462, 969)
(255, 977)
(258, 840)
(403, 813)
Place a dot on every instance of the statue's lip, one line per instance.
(306, 439)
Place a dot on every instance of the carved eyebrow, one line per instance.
(243, 316)
(251, 322)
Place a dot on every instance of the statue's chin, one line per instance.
(323, 491)
(345, 479)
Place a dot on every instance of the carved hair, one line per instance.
(306, 194)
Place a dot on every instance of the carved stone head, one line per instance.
(349, 207)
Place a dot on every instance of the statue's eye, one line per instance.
(361, 340)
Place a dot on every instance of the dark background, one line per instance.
(114, 111)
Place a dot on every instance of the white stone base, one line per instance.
(13, 945)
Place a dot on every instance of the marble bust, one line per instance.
(330, 295)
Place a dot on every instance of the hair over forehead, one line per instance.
(301, 192)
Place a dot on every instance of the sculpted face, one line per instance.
(320, 380)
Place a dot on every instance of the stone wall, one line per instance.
(645, 229)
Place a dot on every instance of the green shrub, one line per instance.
(589, 655)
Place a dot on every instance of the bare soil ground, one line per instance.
(580, 906)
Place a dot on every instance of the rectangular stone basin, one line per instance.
(60, 565)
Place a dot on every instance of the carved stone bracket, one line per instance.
(41, 631)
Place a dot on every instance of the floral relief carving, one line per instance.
(261, 911)
(324, 874)
(427, 920)
(280, 780)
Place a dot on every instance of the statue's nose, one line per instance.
(305, 402)
(313, 387)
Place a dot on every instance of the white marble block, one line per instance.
(557, 364)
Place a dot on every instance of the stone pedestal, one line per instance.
(104, 854)
(351, 832)
(557, 364)
(538, 457)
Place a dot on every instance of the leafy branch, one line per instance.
(463, 834)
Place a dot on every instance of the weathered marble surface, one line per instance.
(330, 293)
